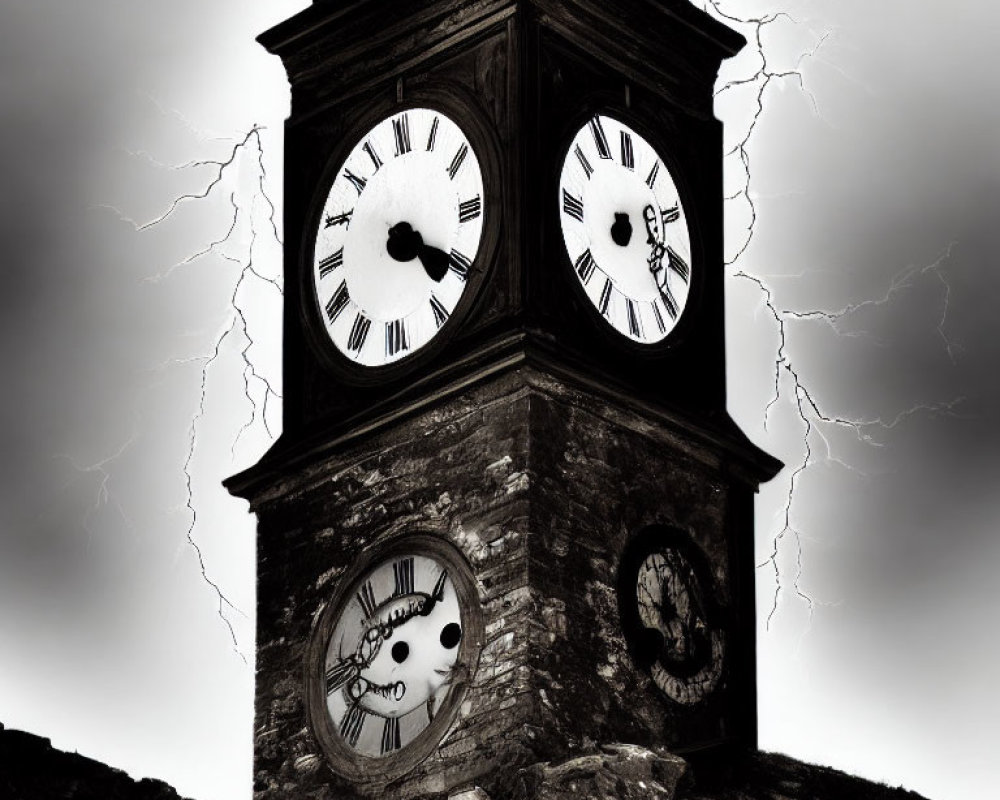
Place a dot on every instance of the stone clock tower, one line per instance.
(508, 517)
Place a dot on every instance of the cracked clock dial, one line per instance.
(399, 233)
(624, 230)
(670, 616)
(688, 663)
(393, 657)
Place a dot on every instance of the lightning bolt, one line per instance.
(789, 386)
(103, 497)
(251, 218)
(758, 82)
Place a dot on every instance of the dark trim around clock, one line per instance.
(370, 774)
(461, 107)
(657, 539)
(654, 130)
(731, 701)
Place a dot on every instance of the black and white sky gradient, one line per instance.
(144, 367)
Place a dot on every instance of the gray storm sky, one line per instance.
(875, 184)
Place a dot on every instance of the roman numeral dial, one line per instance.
(396, 248)
(624, 229)
(388, 646)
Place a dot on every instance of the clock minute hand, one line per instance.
(657, 250)
(652, 229)
(655, 261)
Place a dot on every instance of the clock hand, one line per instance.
(655, 260)
(652, 229)
(417, 604)
(435, 261)
(405, 244)
(436, 595)
(621, 230)
(397, 612)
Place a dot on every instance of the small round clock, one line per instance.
(624, 230)
(670, 614)
(398, 235)
(391, 656)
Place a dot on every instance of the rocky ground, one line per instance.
(628, 772)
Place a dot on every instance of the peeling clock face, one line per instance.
(392, 659)
(688, 657)
(399, 232)
(625, 230)
(670, 619)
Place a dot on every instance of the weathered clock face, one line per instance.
(624, 229)
(670, 620)
(394, 656)
(399, 232)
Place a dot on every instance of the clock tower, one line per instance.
(508, 516)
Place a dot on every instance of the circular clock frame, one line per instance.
(646, 653)
(372, 772)
(654, 127)
(462, 109)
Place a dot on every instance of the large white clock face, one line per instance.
(391, 660)
(400, 230)
(625, 230)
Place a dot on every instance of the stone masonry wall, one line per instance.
(459, 472)
(540, 487)
(602, 475)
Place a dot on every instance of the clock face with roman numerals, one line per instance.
(399, 232)
(625, 230)
(671, 615)
(393, 655)
(671, 604)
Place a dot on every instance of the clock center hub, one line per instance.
(403, 243)
(621, 230)
(619, 195)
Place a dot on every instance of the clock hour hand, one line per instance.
(435, 261)
(621, 230)
(405, 244)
